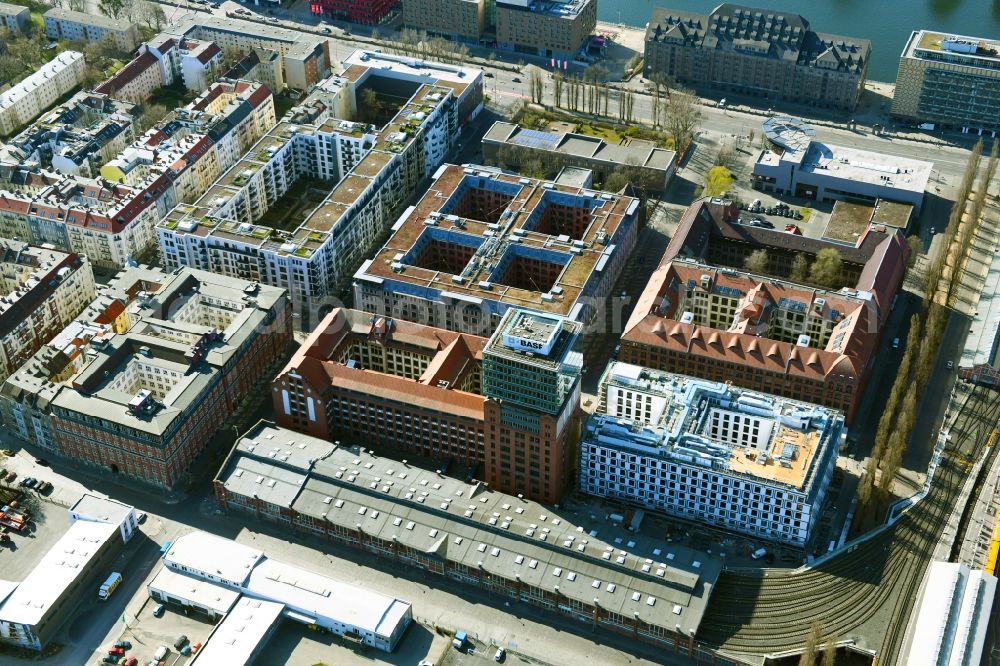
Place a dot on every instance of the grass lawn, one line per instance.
(605, 133)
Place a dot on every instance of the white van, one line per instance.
(161, 653)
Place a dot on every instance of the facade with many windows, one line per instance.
(140, 386)
(405, 388)
(708, 452)
(482, 242)
(948, 80)
(704, 314)
(756, 52)
(374, 170)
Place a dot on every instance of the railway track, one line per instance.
(760, 613)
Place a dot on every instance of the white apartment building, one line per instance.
(22, 103)
(711, 453)
(90, 27)
(375, 171)
(43, 291)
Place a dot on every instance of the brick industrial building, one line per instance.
(141, 388)
(548, 28)
(757, 52)
(481, 242)
(623, 582)
(701, 314)
(409, 389)
(366, 12)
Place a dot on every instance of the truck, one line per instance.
(759, 553)
(461, 638)
(109, 586)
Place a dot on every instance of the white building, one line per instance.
(240, 637)
(953, 616)
(90, 27)
(22, 103)
(709, 452)
(210, 599)
(33, 611)
(796, 165)
(97, 509)
(376, 170)
(371, 618)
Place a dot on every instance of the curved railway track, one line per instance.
(760, 613)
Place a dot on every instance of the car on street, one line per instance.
(895, 343)
(949, 365)
(516, 79)
(42, 461)
(158, 611)
(326, 31)
(142, 517)
(489, 75)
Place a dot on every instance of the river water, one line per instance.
(887, 23)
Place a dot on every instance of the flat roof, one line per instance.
(951, 621)
(234, 640)
(867, 166)
(383, 63)
(792, 433)
(57, 572)
(223, 558)
(313, 594)
(197, 591)
(470, 524)
(949, 47)
(103, 509)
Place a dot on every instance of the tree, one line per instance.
(757, 261)
(827, 268)
(152, 114)
(369, 106)
(916, 247)
(682, 116)
(718, 181)
(808, 656)
(115, 9)
(78, 5)
(151, 13)
(11, 69)
(830, 652)
(800, 268)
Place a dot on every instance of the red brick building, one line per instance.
(408, 389)
(703, 314)
(367, 12)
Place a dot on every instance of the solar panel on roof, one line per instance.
(536, 139)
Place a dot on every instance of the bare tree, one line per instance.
(757, 261)
(151, 115)
(557, 89)
(77, 5)
(682, 116)
(151, 13)
(800, 268)
(809, 654)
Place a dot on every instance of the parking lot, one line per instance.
(26, 548)
(146, 633)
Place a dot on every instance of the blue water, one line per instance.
(887, 23)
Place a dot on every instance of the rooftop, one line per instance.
(693, 426)
(663, 583)
(204, 553)
(101, 509)
(235, 639)
(567, 9)
(202, 592)
(518, 222)
(94, 19)
(945, 47)
(58, 571)
(636, 152)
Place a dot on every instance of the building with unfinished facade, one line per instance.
(709, 452)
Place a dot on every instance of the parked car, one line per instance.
(142, 517)
(116, 651)
(158, 611)
(161, 652)
(29, 482)
(326, 31)
(131, 661)
(42, 461)
(110, 659)
(498, 657)
(489, 75)
(793, 229)
(125, 645)
(181, 641)
(949, 365)
(11, 475)
(895, 343)
(516, 79)
(44, 487)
